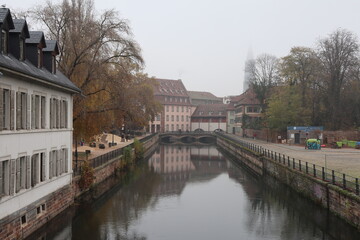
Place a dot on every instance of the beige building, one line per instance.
(176, 104)
(247, 111)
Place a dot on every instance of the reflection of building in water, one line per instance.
(180, 164)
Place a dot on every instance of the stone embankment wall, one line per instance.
(108, 169)
(25, 221)
(340, 202)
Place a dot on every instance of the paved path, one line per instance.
(105, 139)
(345, 160)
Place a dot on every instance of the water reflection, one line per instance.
(185, 192)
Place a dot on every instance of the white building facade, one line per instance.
(35, 127)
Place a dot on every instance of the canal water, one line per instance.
(185, 192)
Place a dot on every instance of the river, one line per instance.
(185, 192)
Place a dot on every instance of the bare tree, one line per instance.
(338, 54)
(98, 53)
(263, 75)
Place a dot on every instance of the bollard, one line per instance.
(293, 163)
(344, 181)
(333, 176)
(307, 168)
(300, 165)
(323, 173)
(314, 170)
(357, 186)
(288, 161)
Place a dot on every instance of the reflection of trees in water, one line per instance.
(114, 217)
(276, 208)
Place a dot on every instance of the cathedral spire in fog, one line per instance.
(246, 82)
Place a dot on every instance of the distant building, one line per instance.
(209, 117)
(247, 110)
(202, 98)
(230, 114)
(36, 106)
(176, 104)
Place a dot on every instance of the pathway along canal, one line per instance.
(185, 192)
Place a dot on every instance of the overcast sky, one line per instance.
(205, 42)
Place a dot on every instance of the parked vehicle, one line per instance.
(312, 143)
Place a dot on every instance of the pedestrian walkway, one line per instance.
(345, 160)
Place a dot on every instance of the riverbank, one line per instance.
(306, 179)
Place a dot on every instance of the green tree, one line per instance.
(284, 109)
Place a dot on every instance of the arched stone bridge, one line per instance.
(188, 137)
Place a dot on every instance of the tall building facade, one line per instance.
(177, 109)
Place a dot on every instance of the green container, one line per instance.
(339, 144)
(352, 144)
(345, 142)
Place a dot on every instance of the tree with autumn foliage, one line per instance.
(98, 53)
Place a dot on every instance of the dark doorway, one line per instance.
(297, 138)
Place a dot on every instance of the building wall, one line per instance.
(27, 142)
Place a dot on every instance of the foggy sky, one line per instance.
(205, 42)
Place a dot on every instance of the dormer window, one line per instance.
(4, 41)
(39, 53)
(53, 64)
(22, 49)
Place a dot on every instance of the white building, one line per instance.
(35, 124)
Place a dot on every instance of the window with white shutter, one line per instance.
(4, 177)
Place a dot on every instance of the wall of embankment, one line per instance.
(342, 203)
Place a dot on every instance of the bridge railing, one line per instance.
(339, 179)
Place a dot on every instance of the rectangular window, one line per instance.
(167, 108)
(5, 109)
(177, 118)
(22, 48)
(52, 164)
(21, 173)
(182, 108)
(42, 112)
(4, 177)
(53, 64)
(4, 41)
(177, 108)
(172, 117)
(35, 169)
(39, 55)
(172, 108)
(182, 118)
(167, 117)
(21, 110)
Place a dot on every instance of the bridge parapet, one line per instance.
(187, 137)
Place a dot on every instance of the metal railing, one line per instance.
(339, 179)
(104, 158)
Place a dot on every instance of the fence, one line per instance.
(104, 158)
(342, 180)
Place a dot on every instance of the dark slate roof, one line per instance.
(51, 46)
(216, 109)
(167, 87)
(20, 26)
(8, 62)
(5, 15)
(35, 37)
